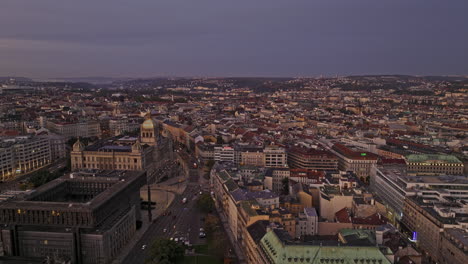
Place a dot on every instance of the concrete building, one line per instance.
(224, 153)
(275, 157)
(253, 158)
(119, 126)
(58, 145)
(357, 161)
(426, 219)
(454, 246)
(81, 129)
(307, 223)
(204, 151)
(81, 217)
(23, 154)
(333, 199)
(393, 185)
(277, 175)
(303, 158)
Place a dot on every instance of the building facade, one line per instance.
(435, 163)
(81, 129)
(358, 162)
(275, 157)
(21, 155)
(302, 158)
(79, 218)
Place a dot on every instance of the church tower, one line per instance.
(149, 131)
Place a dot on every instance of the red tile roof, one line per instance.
(342, 216)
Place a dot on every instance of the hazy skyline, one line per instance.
(145, 38)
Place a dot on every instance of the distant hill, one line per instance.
(407, 77)
(17, 79)
(93, 80)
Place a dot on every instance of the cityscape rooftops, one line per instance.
(432, 158)
(63, 191)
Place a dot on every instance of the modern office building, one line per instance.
(89, 128)
(454, 246)
(224, 153)
(275, 157)
(23, 154)
(303, 158)
(119, 126)
(83, 217)
(393, 185)
(425, 219)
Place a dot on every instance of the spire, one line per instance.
(137, 146)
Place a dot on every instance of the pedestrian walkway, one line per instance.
(160, 208)
(237, 249)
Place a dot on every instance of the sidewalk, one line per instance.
(160, 208)
(237, 249)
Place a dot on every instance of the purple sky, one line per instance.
(144, 38)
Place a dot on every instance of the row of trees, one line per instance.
(41, 177)
(165, 251)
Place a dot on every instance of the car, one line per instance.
(143, 247)
(164, 230)
(201, 229)
(201, 192)
(176, 239)
(171, 238)
(202, 235)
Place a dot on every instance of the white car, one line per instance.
(201, 229)
(164, 230)
(143, 247)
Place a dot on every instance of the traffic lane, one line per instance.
(137, 255)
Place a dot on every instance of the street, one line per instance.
(187, 222)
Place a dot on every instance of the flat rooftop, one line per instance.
(84, 190)
(432, 158)
(398, 174)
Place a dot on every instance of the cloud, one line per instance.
(206, 37)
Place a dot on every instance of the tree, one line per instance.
(205, 203)
(165, 251)
(210, 164)
(285, 190)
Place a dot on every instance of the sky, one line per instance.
(222, 38)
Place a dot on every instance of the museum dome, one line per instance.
(78, 146)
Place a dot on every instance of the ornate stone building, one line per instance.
(148, 152)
